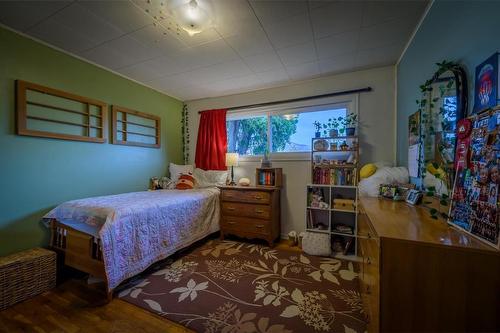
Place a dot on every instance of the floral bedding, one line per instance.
(139, 228)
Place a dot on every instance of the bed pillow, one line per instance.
(176, 170)
(186, 181)
(209, 178)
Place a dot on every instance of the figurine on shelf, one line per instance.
(317, 201)
(333, 146)
(344, 146)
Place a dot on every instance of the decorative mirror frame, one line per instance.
(426, 103)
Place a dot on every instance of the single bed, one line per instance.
(118, 236)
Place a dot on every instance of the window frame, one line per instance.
(349, 102)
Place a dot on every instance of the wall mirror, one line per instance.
(443, 104)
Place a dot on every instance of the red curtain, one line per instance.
(211, 146)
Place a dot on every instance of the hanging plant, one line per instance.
(185, 133)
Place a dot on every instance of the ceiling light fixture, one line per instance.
(194, 16)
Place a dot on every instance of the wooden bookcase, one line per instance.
(334, 177)
(269, 177)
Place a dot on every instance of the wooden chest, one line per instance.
(250, 212)
(26, 274)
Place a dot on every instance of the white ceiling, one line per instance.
(253, 45)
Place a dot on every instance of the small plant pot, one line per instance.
(350, 131)
(334, 133)
(317, 134)
(333, 146)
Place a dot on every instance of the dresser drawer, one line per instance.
(248, 210)
(241, 225)
(365, 228)
(246, 196)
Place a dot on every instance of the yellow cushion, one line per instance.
(367, 170)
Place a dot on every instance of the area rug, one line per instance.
(231, 287)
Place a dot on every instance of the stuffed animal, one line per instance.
(155, 184)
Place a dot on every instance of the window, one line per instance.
(284, 130)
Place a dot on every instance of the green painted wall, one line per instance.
(463, 31)
(36, 174)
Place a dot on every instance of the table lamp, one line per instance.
(232, 161)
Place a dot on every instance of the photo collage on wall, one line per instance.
(475, 194)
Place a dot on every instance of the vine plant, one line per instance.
(185, 133)
(425, 105)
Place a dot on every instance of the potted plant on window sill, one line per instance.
(350, 124)
(317, 125)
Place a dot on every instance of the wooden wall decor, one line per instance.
(134, 128)
(51, 113)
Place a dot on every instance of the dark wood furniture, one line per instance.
(56, 112)
(421, 275)
(250, 212)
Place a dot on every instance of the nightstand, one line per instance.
(250, 212)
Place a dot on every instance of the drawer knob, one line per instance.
(231, 222)
(258, 197)
(260, 226)
(259, 211)
(368, 261)
(369, 235)
(231, 208)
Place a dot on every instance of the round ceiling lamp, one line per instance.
(193, 16)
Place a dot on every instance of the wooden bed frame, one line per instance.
(80, 251)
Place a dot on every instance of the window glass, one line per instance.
(247, 136)
(293, 132)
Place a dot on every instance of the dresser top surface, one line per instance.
(399, 220)
(251, 188)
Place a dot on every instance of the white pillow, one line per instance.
(209, 178)
(176, 170)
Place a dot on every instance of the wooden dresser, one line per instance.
(250, 212)
(422, 275)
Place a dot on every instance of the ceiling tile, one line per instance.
(205, 55)
(248, 44)
(340, 63)
(108, 57)
(274, 76)
(298, 54)
(203, 37)
(21, 15)
(376, 12)
(142, 72)
(124, 15)
(234, 85)
(61, 36)
(263, 62)
(270, 12)
(157, 37)
(290, 31)
(391, 32)
(336, 17)
(86, 23)
(234, 17)
(337, 44)
(382, 56)
(133, 48)
(303, 71)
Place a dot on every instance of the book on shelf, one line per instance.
(327, 176)
(266, 178)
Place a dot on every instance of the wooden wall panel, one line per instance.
(134, 128)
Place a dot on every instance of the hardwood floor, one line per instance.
(77, 307)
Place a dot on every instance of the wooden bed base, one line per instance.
(80, 251)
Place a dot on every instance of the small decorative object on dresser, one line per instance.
(26, 274)
(250, 212)
(244, 182)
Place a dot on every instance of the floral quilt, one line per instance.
(232, 287)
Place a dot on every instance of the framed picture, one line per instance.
(486, 94)
(413, 196)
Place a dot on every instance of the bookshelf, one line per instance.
(332, 195)
(268, 177)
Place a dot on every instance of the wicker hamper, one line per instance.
(26, 274)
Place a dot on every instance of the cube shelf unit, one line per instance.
(268, 177)
(337, 182)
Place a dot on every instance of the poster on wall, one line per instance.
(475, 194)
(414, 129)
(487, 86)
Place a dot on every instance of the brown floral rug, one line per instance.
(234, 287)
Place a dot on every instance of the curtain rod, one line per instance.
(300, 99)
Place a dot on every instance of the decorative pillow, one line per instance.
(176, 170)
(367, 170)
(186, 182)
(316, 244)
(209, 178)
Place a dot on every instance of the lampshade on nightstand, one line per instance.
(232, 161)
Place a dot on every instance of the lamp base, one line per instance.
(232, 183)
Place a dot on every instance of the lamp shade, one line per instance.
(232, 159)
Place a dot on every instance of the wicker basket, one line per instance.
(26, 274)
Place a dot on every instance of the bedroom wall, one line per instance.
(463, 31)
(377, 114)
(36, 174)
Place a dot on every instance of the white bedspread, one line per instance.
(140, 228)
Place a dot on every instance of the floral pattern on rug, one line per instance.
(233, 287)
